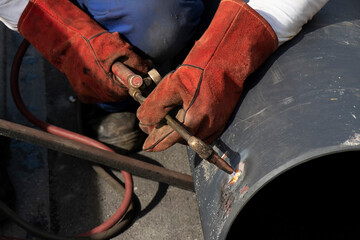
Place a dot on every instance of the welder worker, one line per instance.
(84, 38)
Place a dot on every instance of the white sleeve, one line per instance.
(10, 12)
(287, 17)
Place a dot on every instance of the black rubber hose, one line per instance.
(113, 231)
(28, 227)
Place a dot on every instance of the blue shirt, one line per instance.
(159, 28)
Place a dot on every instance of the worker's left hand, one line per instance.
(79, 47)
(209, 83)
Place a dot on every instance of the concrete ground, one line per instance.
(62, 194)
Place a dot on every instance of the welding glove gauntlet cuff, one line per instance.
(80, 48)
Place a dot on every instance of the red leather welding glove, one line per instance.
(208, 84)
(79, 47)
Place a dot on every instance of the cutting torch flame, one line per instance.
(239, 172)
(236, 176)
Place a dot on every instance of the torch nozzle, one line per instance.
(221, 163)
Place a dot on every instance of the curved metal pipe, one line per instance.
(302, 104)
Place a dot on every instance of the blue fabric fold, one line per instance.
(159, 28)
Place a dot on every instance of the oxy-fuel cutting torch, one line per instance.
(136, 83)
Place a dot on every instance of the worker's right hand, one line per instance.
(80, 48)
(208, 85)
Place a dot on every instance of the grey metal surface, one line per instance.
(302, 104)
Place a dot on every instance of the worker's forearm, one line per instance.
(287, 17)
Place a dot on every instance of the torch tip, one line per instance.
(221, 163)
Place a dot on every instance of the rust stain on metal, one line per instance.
(232, 190)
(243, 191)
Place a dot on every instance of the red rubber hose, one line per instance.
(8, 238)
(69, 135)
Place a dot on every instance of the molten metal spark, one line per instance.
(236, 177)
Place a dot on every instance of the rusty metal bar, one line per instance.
(95, 155)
